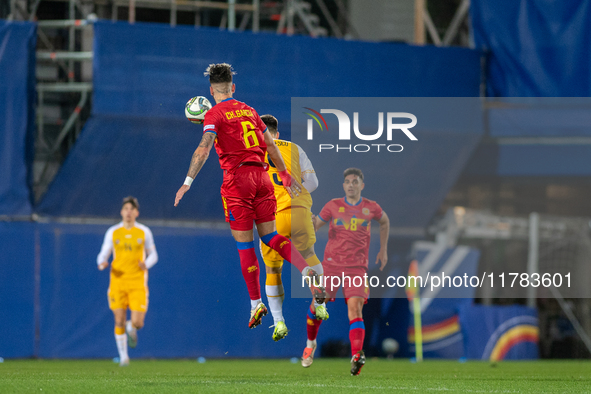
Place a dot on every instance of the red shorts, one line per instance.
(354, 282)
(248, 194)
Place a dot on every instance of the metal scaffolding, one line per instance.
(64, 53)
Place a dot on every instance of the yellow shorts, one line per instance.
(296, 224)
(132, 294)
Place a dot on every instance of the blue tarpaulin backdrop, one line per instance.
(537, 48)
(17, 118)
(139, 142)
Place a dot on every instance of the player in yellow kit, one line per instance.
(293, 220)
(134, 253)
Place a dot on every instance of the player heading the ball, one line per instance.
(241, 142)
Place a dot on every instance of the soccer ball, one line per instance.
(196, 109)
(390, 346)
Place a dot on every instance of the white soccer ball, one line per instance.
(196, 109)
(390, 345)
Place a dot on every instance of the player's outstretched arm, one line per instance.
(384, 235)
(290, 184)
(199, 157)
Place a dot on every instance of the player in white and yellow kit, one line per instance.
(294, 220)
(134, 253)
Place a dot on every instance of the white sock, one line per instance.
(130, 327)
(318, 268)
(316, 305)
(254, 303)
(275, 296)
(310, 343)
(121, 341)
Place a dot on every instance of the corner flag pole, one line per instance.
(413, 293)
(418, 329)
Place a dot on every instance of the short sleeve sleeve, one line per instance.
(210, 123)
(149, 240)
(325, 215)
(377, 211)
(107, 247)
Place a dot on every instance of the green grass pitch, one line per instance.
(282, 376)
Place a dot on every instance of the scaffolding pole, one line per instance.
(255, 15)
(77, 23)
(231, 15)
(64, 87)
(70, 122)
(64, 55)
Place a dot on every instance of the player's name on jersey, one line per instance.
(239, 113)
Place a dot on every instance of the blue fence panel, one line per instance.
(74, 313)
(196, 290)
(17, 117)
(17, 289)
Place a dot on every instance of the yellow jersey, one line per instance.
(298, 165)
(129, 247)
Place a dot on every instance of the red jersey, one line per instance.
(239, 130)
(349, 232)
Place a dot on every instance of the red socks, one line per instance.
(356, 334)
(250, 269)
(313, 325)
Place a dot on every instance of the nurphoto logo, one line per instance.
(392, 125)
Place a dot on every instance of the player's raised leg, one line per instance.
(138, 296)
(356, 333)
(283, 246)
(132, 326)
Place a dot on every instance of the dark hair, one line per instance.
(353, 171)
(132, 200)
(219, 73)
(271, 123)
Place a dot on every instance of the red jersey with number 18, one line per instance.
(239, 130)
(349, 232)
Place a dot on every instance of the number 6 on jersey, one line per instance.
(249, 132)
